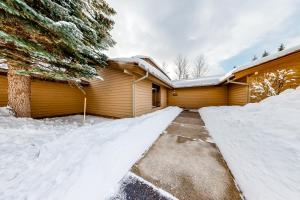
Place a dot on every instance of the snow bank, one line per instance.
(261, 144)
(62, 159)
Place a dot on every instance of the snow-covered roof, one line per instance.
(204, 81)
(146, 66)
(268, 58)
(153, 61)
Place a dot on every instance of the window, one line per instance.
(155, 95)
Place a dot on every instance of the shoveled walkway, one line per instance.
(183, 162)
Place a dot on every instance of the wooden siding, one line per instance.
(143, 97)
(49, 99)
(198, 97)
(3, 90)
(237, 94)
(111, 97)
(164, 97)
(296, 76)
(291, 61)
(259, 75)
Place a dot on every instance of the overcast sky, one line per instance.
(227, 32)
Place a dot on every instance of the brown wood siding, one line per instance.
(49, 99)
(111, 97)
(295, 76)
(237, 94)
(198, 97)
(164, 97)
(291, 61)
(3, 91)
(143, 97)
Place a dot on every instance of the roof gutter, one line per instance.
(133, 91)
(235, 82)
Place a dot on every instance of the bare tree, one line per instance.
(200, 69)
(182, 68)
(164, 67)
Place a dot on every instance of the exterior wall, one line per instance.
(3, 91)
(111, 97)
(291, 61)
(143, 97)
(49, 99)
(164, 97)
(293, 65)
(198, 97)
(237, 94)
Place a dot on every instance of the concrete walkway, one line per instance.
(183, 162)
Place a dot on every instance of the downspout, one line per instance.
(84, 100)
(133, 91)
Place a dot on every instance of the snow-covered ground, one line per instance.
(60, 158)
(261, 144)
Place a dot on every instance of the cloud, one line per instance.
(217, 29)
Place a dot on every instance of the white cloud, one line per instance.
(217, 29)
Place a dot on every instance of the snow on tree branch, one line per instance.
(270, 84)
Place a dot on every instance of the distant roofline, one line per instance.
(266, 59)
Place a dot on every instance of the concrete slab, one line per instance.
(183, 163)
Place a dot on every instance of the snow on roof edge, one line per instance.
(152, 60)
(268, 58)
(203, 81)
(147, 67)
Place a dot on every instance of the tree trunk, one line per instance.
(19, 92)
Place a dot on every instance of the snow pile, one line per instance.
(261, 144)
(268, 58)
(146, 66)
(60, 158)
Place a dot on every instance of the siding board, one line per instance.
(3, 90)
(111, 97)
(237, 94)
(198, 97)
(49, 99)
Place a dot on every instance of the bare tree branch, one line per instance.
(200, 69)
(164, 67)
(182, 68)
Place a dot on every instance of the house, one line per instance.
(135, 86)
(288, 59)
(131, 87)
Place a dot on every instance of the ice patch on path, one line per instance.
(60, 158)
(261, 144)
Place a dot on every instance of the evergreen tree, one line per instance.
(64, 39)
(52, 38)
(281, 47)
(254, 58)
(265, 54)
